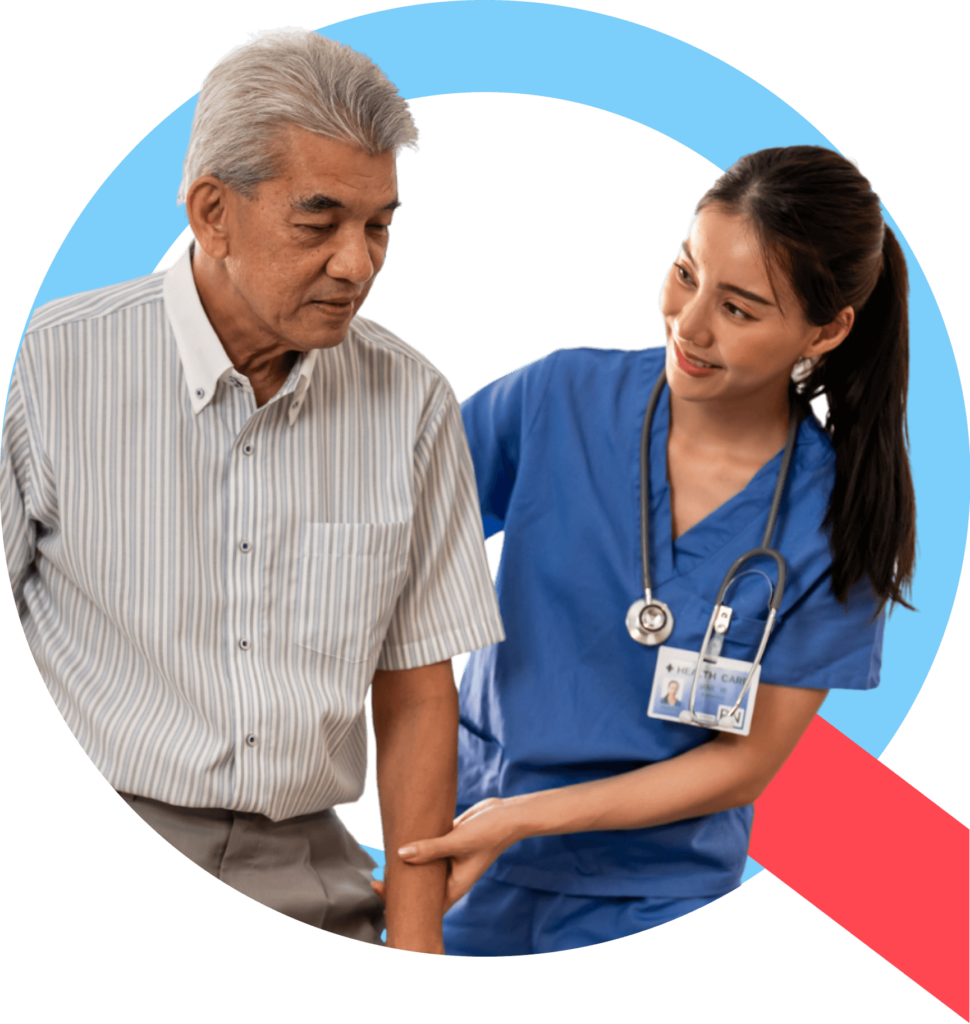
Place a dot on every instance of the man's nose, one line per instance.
(352, 260)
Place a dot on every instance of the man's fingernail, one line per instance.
(407, 851)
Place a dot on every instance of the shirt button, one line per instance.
(245, 547)
(248, 448)
(251, 740)
(244, 645)
(200, 392)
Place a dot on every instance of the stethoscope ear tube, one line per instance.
(779, 589)
(773, 605)
(766, 632)
(765, 551)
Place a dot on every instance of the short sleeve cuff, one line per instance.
(433, 649)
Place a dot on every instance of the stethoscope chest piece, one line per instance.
(649, 622)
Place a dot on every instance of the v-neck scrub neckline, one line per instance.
(705, 536)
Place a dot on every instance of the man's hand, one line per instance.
(416, 726)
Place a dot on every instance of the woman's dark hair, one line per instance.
(819, 220)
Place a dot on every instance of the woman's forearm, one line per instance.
(701, 781)
(729, 771)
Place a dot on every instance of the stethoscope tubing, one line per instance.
(764, 551)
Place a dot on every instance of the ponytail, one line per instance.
(872, 511)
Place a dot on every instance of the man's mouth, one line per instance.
(335, 307)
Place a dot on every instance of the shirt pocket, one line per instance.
(350, 577)
(743, 637)
(741, 642)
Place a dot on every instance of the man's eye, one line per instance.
(683, 273)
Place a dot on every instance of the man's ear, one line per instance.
(207, 206)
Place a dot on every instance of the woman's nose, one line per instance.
(693, 321)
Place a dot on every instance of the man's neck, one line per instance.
(254, 352)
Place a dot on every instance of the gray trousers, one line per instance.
(309, 867)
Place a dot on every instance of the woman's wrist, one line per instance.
(519, 818)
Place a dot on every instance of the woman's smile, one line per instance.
(691, 364)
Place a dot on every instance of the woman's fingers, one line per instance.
(426, 850)
(478, 837)
(379, 889)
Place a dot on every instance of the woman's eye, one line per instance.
(736, 311)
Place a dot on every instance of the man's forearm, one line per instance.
(416, 726)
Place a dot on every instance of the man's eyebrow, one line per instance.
(319, 203)
(316, 204)
(743, 292)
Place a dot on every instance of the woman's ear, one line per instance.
(831, 335)
(206, 204)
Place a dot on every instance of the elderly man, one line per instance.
(230, 506)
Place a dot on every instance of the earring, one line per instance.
(802, 370)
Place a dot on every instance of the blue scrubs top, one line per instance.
(564, 698)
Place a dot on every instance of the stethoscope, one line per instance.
(650, 621)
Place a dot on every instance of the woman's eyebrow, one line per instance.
(743, 292)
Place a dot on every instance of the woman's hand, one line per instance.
(478, 837)
(730, 771)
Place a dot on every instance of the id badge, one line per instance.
(718, 686)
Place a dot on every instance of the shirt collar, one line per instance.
(204, 360)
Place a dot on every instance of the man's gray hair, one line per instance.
(289, 77)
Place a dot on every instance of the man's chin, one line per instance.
(321, 339)
(329, 331)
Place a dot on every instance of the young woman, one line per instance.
(585, 819)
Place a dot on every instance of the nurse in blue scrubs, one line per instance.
(582, 819)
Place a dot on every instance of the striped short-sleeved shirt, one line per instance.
(208, 586)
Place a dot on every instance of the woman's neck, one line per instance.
(755, 426)
(714, 448)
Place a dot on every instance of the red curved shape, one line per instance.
(873, 853)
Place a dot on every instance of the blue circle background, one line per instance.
(674, 88)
